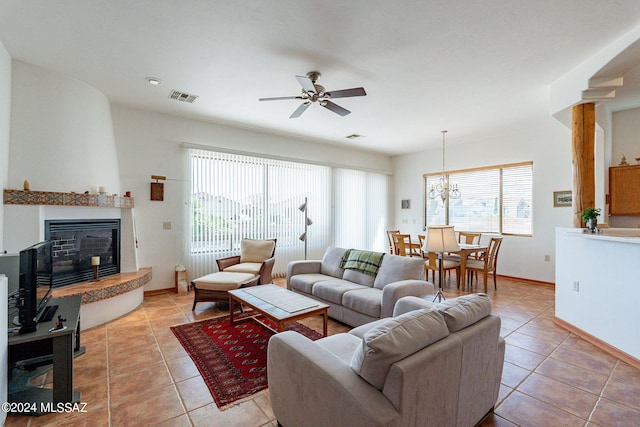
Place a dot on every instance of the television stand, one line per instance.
(40, 348)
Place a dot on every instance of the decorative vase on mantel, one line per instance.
(592, 224)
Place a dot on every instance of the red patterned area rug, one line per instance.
(231, 359)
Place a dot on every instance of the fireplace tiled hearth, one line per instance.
(115, 295)
(107, 287)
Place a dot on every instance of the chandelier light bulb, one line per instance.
(444, 189)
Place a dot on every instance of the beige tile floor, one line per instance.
(136, 373)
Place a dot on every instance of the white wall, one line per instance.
(61, 134)
(149, 144)
(626, 141)
(5, 128)
(626, 136)
(546, 142)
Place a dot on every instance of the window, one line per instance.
(494, 200)
(235, 196)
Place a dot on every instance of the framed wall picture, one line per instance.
(157, 191)
(562, 199)
(405, 204)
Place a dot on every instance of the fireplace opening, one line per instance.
(76, 242)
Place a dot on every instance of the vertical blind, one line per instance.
(235, 196)
(493, 200)
(360, 209)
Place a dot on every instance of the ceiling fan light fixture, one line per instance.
(312, 92)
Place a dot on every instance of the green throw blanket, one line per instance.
(366, 262)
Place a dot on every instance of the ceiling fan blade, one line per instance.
(301, 109)
(278, 98)
(335, 108)
(344, 93)
(306, 83)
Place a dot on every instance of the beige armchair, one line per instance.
(256, 257)
(252, 267)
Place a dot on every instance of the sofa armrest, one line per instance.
(310, 386)
(302, 267)
(396, 290)
(227, 262)
(265, 271)
(410, 303)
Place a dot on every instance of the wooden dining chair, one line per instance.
(468, 238)
(487, 262)
(393, 250)
(404, 245)
(432, 264)
(421, 239)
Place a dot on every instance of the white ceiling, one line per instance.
(469, 66)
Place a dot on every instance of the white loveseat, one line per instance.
(429, 365)
(356, 298)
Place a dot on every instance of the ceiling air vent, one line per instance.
(181, 96)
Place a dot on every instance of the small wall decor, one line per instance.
(405, 204)
(157, 188)
(562, 199)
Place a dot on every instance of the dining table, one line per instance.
(465, 251)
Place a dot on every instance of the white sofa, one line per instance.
(429, 365)
(353, 297)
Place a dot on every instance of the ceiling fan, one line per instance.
(312, 92)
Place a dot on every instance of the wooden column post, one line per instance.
(582, 147)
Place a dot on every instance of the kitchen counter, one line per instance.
(597, 292)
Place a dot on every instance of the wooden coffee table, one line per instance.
(280, 305)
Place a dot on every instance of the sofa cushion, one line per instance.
(222, 281)
(331, 262)
(245, 267)
(304, 282)
(395, 268)
(463, 311)
(333, 290)
(394, 340)
(256, 250)
(358, 277)
(342, 345)
(366, 301)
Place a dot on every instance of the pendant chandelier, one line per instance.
(444, 189)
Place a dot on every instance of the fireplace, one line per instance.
(76, 242)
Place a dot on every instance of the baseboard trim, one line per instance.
(159, 291)
(604, 346)
(532, 281)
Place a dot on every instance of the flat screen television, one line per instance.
(35, 284)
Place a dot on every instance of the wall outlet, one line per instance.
(576, 286)
(547, 257)
(166, 225)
